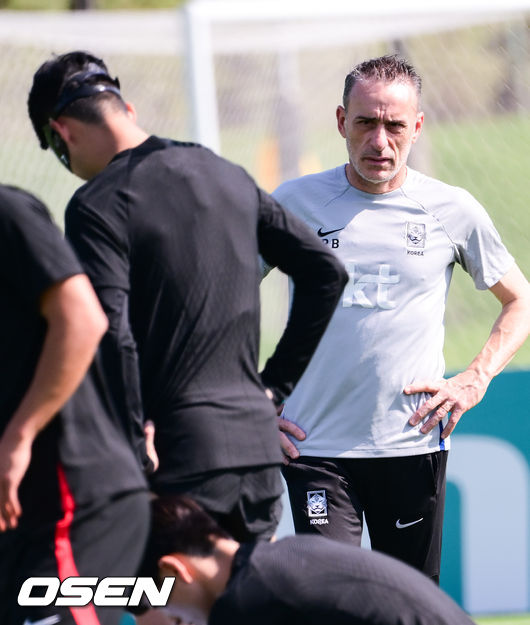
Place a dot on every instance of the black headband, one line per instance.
(77, 87)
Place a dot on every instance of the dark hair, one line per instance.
(387, 68)
(178, 525)
(72, 84)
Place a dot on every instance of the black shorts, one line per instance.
(246, 502)
(401, 498)
(98, 541)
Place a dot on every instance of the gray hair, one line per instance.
(387, 68)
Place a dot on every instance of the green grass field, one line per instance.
(508, 619)
(488, 158)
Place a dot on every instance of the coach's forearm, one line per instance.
(511, 328)
(509, 332)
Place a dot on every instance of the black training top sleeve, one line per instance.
(318, 278)
(102, 243)
(120, 361)
(33, 254)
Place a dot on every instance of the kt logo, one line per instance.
(369, 290)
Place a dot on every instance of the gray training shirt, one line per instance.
(399, 249)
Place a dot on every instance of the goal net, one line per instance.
(259, 82)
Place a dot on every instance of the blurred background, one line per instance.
(259, 83)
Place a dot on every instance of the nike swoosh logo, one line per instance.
(49, 620)
(325, 234)
(400, 525)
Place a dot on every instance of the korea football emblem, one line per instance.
(415, 235)
(317, 504)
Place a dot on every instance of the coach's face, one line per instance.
(380, 124)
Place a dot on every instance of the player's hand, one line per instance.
(149, 432)
(453, 397)
(15, 456)
(290, 451)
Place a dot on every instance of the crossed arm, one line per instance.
(460, 393)
(75, 325)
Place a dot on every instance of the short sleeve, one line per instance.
(480, 250)
(100, 240)
(33, 252)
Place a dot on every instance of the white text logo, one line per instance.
(369, 290)
(107, 591)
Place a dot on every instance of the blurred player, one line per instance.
(299, 580)
(170, 234)
(374, 408)
(73, 500)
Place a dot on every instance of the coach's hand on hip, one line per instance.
(453, 397)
